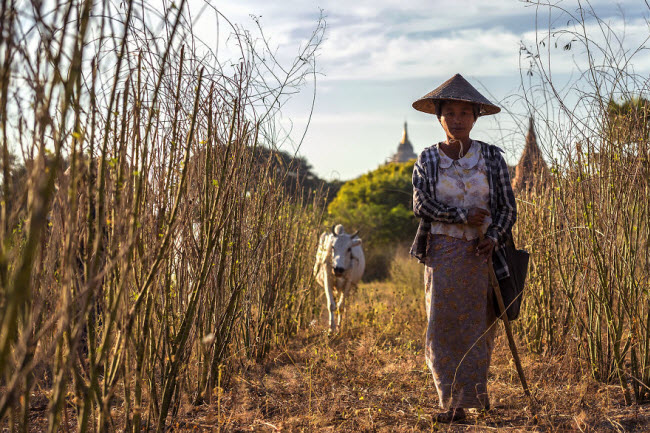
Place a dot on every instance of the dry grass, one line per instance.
(372, 377)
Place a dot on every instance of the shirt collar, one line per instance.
(469, 160)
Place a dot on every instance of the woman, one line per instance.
(463, 197)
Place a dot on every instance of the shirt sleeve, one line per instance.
(506, 213)
(427, 207)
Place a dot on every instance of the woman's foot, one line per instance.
(452, 415)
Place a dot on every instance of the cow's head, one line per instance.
(342, 244)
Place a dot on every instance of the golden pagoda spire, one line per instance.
(405, 135)
(404, 149)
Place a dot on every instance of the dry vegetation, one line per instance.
(372, 377)
(588, 228)
(155, 269)
(146, 244)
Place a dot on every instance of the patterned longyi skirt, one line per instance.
(461, 321)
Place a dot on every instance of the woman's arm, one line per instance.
(506, 213)
(425, 206)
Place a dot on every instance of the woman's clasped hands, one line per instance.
(475, 217)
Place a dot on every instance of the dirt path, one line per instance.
(372, 377)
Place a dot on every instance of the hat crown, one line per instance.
(456, 88)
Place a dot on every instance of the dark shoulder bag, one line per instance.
(512, 287)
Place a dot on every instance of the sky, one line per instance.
(378, 56)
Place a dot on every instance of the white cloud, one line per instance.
(486, 53)
(613, 43)
(379, 39)
(383, 43)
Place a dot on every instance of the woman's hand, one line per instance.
(476, 216)
(485, 247)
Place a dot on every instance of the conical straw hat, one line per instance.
(456, 89)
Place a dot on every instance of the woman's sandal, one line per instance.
(452, 415)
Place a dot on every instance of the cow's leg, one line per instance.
(331, 305)
(341, 303)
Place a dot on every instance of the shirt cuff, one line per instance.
(462, 214)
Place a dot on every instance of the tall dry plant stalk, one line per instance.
(148, 244)
(588, 286)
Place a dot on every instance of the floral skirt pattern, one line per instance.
(461, 321)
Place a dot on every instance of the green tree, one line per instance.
(378, 204)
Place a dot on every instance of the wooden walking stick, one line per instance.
(494, 282)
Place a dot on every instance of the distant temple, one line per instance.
(404, 149)
(531, 173)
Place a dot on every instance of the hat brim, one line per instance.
(456, 88)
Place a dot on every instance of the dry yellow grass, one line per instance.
(372, 377)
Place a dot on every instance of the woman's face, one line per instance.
(457, 119)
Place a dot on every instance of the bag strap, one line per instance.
(510, 240)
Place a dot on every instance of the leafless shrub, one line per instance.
(153, 248)
(588, 231)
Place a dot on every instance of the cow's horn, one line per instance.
(354, 235)
(333, 232)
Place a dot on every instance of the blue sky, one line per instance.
(379, 56)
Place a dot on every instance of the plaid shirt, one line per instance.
(503, 208)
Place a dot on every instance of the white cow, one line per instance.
(339, 266)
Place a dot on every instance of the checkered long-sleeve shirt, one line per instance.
(503, 208)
